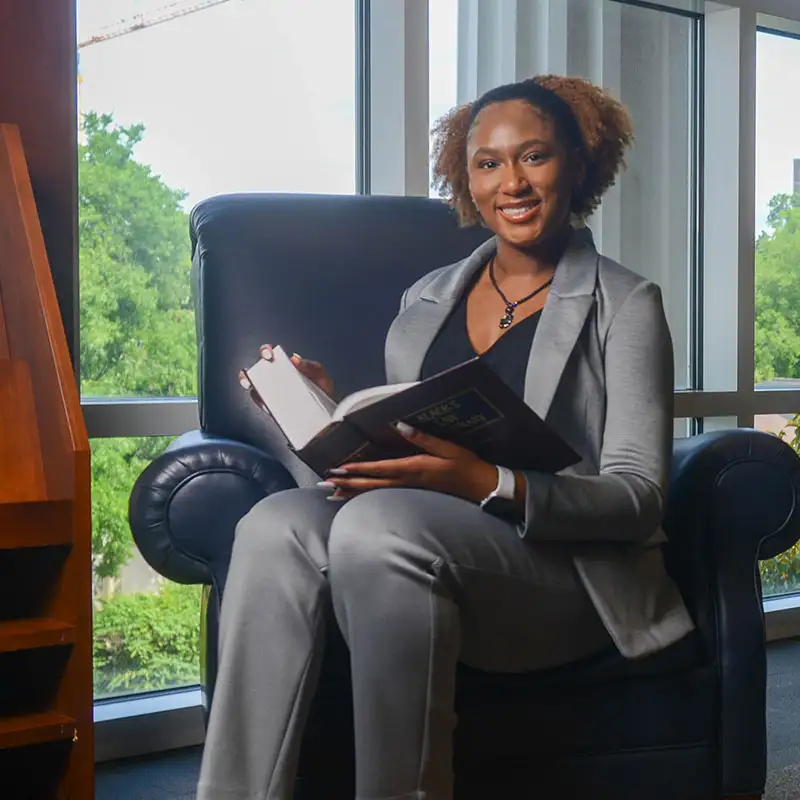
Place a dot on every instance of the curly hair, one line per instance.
(595, 124)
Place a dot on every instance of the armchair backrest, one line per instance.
(319, 275)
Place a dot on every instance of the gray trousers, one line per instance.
(418, 581)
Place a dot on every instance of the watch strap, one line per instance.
(506, 485)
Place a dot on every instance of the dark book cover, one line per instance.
(342, 443)
(469, 405)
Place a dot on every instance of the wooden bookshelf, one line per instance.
(46, 744)
(29, 634)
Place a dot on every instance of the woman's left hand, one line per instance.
(443, 467)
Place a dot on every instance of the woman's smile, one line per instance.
(519, 212)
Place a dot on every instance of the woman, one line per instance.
(442, 557)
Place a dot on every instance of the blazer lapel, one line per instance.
(563, 317)
(414, 330)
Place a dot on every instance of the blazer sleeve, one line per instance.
(625, 501)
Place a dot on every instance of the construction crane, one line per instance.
(137, 22)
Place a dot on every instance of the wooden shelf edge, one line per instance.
(35, 524)
(29, 634)
(28, 729)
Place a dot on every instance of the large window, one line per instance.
(179, 100)
(777, 356)
(777, 256)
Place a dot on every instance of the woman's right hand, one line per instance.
(312, 370)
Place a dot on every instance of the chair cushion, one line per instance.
(604, 668)
(665, 700)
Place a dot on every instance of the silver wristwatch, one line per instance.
(500, 499)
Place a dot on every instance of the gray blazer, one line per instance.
(601, 373)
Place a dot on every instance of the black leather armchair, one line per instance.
(324, 276)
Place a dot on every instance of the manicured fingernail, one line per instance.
(337, 471)
(244, 383)
(405, 429)
(326, 485)
(336, 498)
(266, 353)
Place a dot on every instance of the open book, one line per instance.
(468, 404)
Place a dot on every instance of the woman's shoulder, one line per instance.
(618, 285)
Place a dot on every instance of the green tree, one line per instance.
(137, 318)
(778, 292)
(116, 464)
(147, 641)
(781, 574)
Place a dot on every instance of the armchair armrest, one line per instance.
(185, 506)
(742, 488)
(733, 500)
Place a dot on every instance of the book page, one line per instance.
(366, 397)
(299, 407)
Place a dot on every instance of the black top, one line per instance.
(508, 356)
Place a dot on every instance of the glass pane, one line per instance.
(146, 629)
(648, 59)
(781, 575)
(182, 100)
(682, 428)
(442, 60)
(710, 424)
(686, 427)
(777, 356)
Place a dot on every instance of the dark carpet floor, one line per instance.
(172, 776)
(168, 776)
(783, 720)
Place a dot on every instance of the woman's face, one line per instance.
(521, 175)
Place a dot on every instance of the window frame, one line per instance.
(392, 158)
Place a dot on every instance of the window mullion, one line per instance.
(729, 170)
(398, 97)
(109, 418)
(747, 214)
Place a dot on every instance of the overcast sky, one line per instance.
(257, 95)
